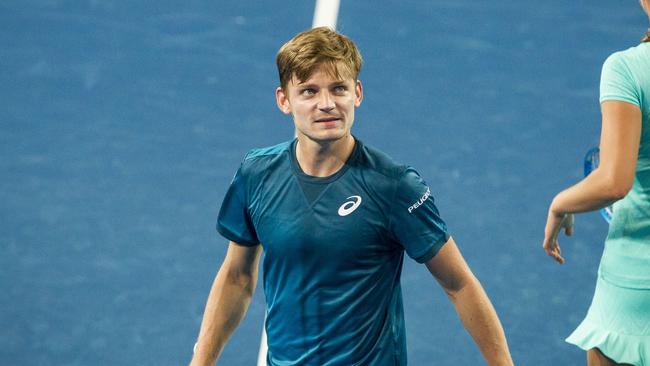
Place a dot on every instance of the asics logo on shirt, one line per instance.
(349, 206)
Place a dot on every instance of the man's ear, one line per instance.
(358, 93)
(283, 101)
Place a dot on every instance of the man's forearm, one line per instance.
(481, 321)
(226, 306)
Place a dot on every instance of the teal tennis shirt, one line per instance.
(334, 248)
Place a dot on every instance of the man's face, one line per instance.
(322, 106)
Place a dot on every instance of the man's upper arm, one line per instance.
(414, 219)
(242, 260)
(449, 267)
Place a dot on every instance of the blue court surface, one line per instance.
(122, 124)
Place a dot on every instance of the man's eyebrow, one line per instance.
(336, 82)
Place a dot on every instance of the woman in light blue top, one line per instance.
(616, 330)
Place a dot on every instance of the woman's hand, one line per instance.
(554, 223)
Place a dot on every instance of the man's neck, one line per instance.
(323, 159)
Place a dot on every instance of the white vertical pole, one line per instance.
(326, 14)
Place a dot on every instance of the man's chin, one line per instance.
(328, 137)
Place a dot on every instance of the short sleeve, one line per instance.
(234, 221)
(414, 219)
(617, 81)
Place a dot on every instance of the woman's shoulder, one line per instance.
(632, 56)
(631, 66)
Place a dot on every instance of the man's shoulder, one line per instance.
(390, 173)
(261, 160)
(380, 162)
(269, 151)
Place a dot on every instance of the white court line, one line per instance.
(326, 13)
(261, 357)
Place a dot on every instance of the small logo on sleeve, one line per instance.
(421, 200)
(349, 206)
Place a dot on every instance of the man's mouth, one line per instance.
(328, 119)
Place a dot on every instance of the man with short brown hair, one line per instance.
(334, 217)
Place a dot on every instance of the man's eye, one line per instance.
(340, 89)
(308, 92)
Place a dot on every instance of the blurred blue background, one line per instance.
(122, 124)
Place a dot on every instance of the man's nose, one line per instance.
(325, 102)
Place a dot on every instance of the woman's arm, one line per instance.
(619, 148)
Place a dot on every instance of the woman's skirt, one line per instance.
(617, 323)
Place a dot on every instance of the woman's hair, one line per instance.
(645, 4)
(307, 51)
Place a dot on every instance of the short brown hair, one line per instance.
(309, 49)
